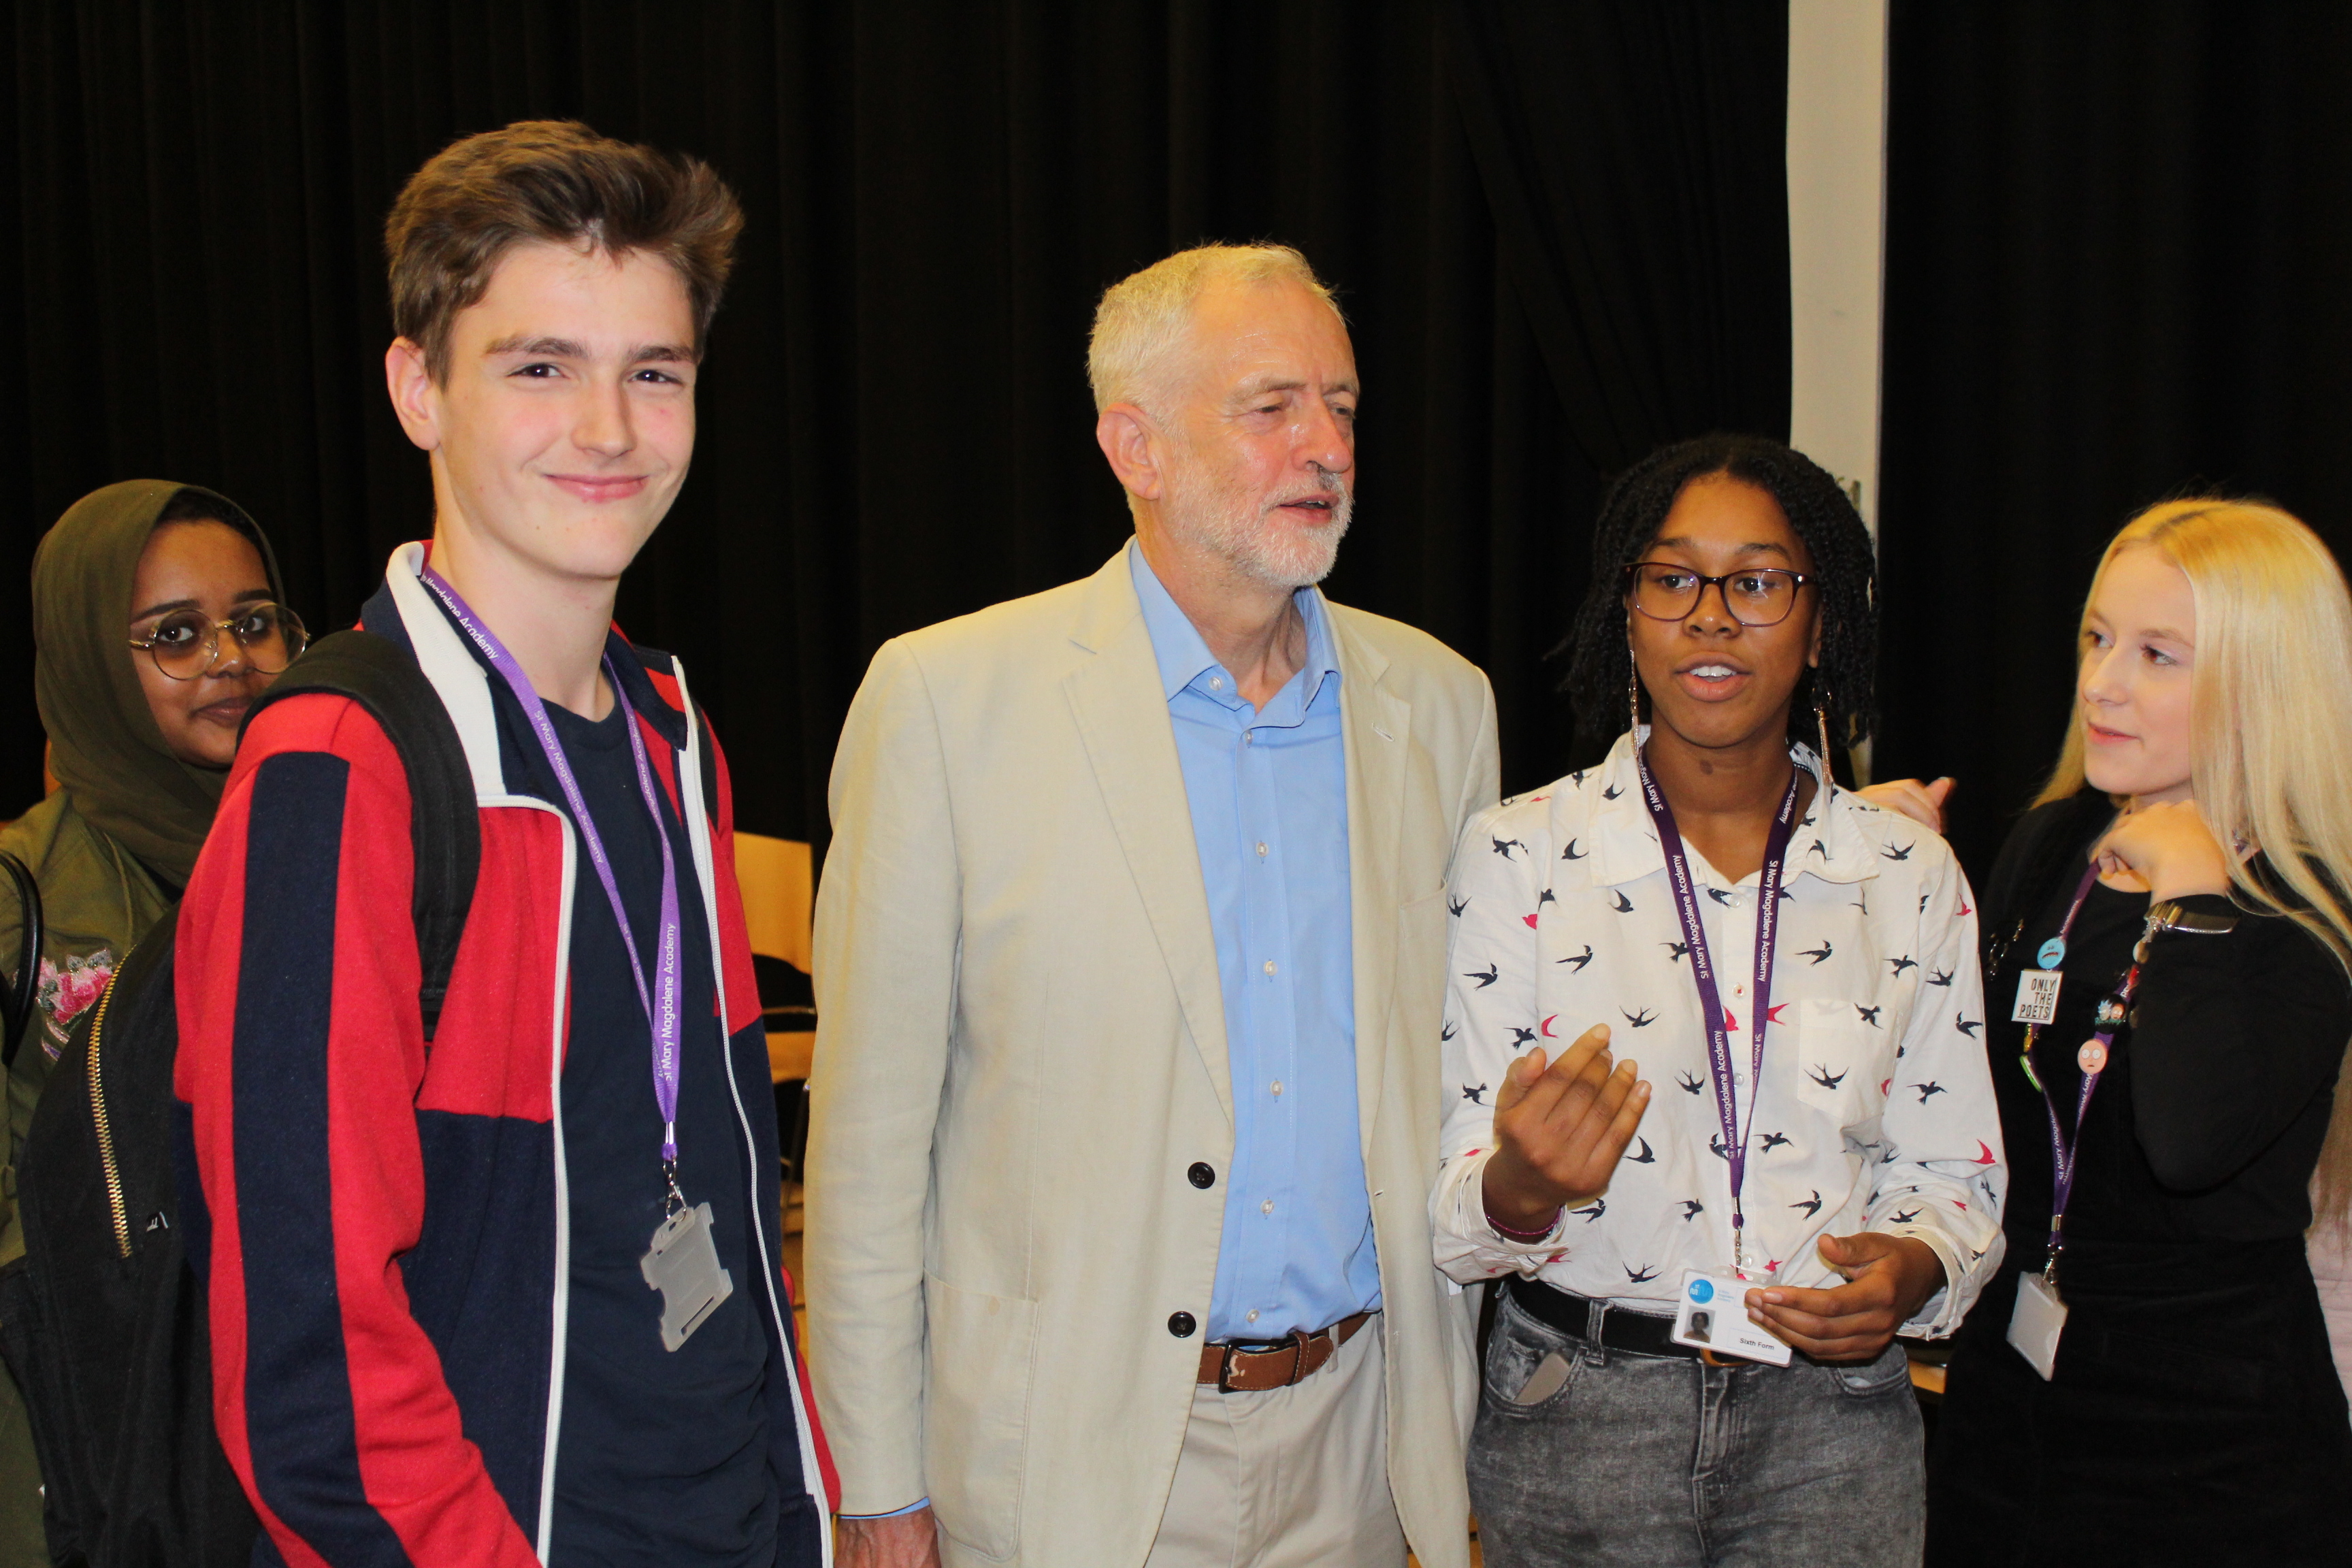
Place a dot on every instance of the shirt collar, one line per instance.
(1828, 842)
(1183, 655)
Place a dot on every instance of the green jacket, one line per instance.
(97, 902)
(128, 805)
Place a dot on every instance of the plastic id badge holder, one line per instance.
(683, 1265)
(1711, 1314)
(2035, 1325)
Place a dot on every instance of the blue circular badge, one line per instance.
(1701, 1290)
(2052, 953)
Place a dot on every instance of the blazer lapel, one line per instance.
(1376, 723)
(1122, 718)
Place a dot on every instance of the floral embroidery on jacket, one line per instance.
(63, 994)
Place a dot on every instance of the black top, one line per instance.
(663, 1454)
(2209, 1119)
(2194, 1414)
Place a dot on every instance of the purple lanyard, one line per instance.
(660, 1001)
(1718, 1034)
(2093, 1058)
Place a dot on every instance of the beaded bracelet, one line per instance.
(1525, 1237)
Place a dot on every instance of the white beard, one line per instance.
(1233, 525)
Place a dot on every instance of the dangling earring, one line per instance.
(1821, 723)
(1633, 695)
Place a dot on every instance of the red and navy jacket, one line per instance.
(383, 1223)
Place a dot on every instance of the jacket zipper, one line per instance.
(700, 839)
(121, 1210)
(560, 1326)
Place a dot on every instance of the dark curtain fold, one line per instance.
(895, 425)
(1635, 160)
(2120, 268)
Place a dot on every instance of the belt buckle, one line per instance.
(1298, 1338)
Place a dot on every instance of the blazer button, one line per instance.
(1181, 1325)
(1201, 1174)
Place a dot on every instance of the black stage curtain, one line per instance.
(2120, 268)
(895, 423)
(1658, 286)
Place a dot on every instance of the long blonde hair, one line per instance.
(2270, 711)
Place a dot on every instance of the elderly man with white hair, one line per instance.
(1130, 961)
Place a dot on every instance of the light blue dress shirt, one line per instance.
(1268, 792)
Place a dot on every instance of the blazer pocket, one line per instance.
(977, 1359)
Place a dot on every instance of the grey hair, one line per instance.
(1146, 315)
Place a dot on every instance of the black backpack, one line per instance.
(102, 1321)
(17, 1011)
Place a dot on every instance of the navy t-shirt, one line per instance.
(663, 1457)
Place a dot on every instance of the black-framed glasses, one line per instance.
(185, 646)
(1754, 595)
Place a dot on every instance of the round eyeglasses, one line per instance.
(185, 646)
(1754, 595)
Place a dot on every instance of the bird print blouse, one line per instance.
(1876, 1110)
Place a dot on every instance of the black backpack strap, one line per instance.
(27, 986)
(444, 828)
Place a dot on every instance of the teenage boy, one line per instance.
(506, 1289)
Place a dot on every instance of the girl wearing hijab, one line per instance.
(158, 616)
(2147, 1378)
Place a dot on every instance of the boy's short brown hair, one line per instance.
(558, 182)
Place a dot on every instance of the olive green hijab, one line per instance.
(105, 749)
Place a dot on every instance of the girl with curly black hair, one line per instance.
(1838, 678)
(1825, 1171)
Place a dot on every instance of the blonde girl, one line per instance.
(2149, 1378)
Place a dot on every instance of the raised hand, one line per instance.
(1888, 1279)
(1559, 1129)
(1923, 804)
(2166, 847)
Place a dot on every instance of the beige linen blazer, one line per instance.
(1021, 1051)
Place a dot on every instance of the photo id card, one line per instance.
(2037, 997)
(683, 1265)
(1711, 1314)
(2035, 1325)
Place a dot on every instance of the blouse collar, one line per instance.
(1830, 841)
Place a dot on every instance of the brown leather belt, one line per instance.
(1241, 1369)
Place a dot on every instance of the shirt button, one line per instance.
(1266, 1207)
(1181, 1325)
(1201, 1174)
(1261, 849)
(1269, 966)
(1252, 1314)
(1277, 1088)
(1216, 683)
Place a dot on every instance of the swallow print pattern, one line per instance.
(1875, 1109)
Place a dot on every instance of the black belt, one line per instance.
(1575, 1316)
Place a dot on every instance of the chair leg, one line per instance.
(792, 1125)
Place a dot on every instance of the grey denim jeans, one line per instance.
(1663, 1462)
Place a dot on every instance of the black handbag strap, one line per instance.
(445, 829)
(27, 986)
